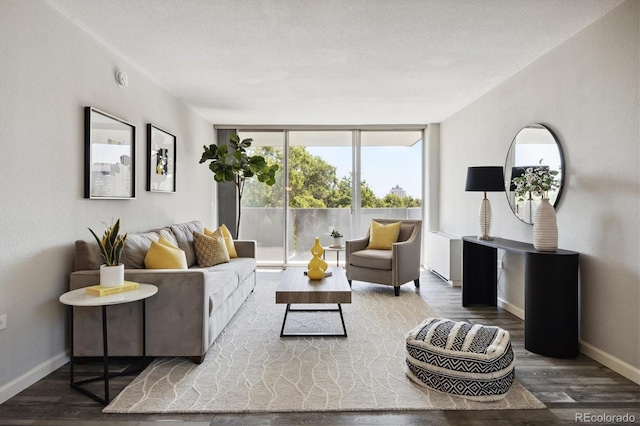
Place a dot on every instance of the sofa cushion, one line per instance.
(373, 259)
(184, 236)
(382, 236)
(137, 245)
(87, 256)
(241, 266)
(164, 255)
(210, 251)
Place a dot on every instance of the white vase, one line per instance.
(545, 227)
(337, 242)
(112, 276)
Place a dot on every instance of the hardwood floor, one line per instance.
(572, 389)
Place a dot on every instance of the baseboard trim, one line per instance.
(38, 372)
(619, 366)
(511, 308)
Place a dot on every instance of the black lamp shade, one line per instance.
(485, 178)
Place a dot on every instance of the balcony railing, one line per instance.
(266, 226)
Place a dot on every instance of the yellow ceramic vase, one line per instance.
(317, 266)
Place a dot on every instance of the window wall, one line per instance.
(328, 178)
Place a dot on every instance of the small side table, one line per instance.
(336, 249)
(79, 297)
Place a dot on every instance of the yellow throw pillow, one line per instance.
(210, 251)
(381, 237)
(163, 256)
(223, 231)
(162, 240)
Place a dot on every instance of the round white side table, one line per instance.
(79, 297)
(336, 249)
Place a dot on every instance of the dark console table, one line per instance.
(550, 289)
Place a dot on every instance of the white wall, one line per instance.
(588, 91)
(50, 70)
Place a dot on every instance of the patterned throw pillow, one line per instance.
(223, 231)
(210, 251)
(381, 237)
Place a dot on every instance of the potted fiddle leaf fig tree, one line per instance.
(111, 245)
(232, 163)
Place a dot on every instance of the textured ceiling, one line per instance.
(331, 61)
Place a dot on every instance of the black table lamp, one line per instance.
(485, 179)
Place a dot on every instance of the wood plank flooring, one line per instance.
(569, 388)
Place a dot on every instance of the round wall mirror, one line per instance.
(533, 146)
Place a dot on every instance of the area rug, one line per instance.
(251, 369)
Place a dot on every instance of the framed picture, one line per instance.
(161, 146)
(109, 156)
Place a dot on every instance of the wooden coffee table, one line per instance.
(297, 288)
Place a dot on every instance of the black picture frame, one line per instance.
(161, 160)
(109, 156)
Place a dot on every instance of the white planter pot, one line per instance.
(545, 228)
(112, 276)
(337, 242)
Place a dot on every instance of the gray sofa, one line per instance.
(187, 314)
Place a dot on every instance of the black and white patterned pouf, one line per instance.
(468, 360)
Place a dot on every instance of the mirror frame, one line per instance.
(507, 168)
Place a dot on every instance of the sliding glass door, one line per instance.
(328, 179)
(318, 189)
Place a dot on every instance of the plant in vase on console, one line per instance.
(538, 181)
(111, 245)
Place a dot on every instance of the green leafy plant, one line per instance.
(535, 181)
(111, 244)
(232, 163)
(336, 234)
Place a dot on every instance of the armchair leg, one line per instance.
(396, 290)
(417, 282)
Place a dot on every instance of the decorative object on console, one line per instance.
(317, 266)
(533, 146)
(337, 238)
(161, 160)
(545, 228)
(109, 156)
(537, 182)
(231, 163)
(484, 179)
(111, 245)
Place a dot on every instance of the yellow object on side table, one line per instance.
(98, 290)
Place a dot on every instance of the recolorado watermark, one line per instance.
(604, 418)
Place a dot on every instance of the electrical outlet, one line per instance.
(3, 321)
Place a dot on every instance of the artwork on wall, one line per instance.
(110, 156)
(161, 160)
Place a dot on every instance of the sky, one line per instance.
(382, 167)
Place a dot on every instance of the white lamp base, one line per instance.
(484, 218)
